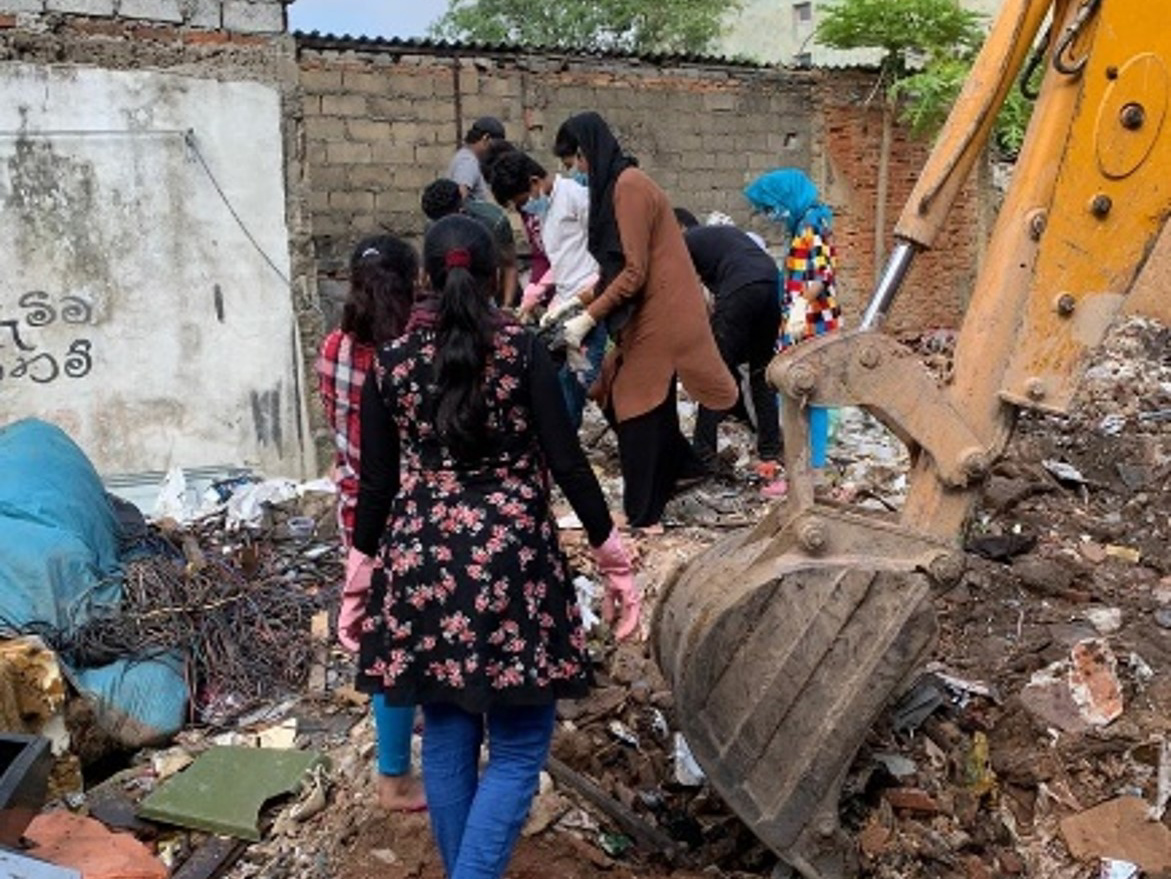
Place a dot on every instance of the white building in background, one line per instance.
(782, 32)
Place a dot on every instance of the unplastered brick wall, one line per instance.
(239, 16)
(382, 123)
(848, 151)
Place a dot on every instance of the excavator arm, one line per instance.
(784, 642)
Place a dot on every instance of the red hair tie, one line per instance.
(458, 258)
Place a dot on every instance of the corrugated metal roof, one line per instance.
(318, 40)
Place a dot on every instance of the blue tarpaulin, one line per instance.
(59, 567)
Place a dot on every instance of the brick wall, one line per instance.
(381, 122)
(239, 16)
(368, 125)
(848, 145)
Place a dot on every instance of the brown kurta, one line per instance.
(668, 332)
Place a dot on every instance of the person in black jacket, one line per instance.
(746, 313)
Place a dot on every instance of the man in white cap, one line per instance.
(465, 164)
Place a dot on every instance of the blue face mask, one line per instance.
(580, 177)
(537, 207)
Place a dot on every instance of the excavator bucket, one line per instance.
(783, 643)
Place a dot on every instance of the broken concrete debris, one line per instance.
(1107, 620)
(1119, 829)
(1077, 693)
(68, 840)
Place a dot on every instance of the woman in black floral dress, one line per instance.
(469, 608)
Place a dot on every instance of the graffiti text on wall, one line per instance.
(23, 354)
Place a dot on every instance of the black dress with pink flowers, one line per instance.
(471, 600)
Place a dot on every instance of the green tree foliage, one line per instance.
(901, 28)
(940, 39)
(635, 26)
(925, 98)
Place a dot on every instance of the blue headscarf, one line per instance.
(790, 198)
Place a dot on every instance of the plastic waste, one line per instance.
(687, 771)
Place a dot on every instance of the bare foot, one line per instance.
(401, 793)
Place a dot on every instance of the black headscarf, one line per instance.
(606, 160)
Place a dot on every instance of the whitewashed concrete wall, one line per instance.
(771, 32)
(134, 310)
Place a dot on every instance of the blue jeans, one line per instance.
(477, 818)
(575, 386)
(394, 726)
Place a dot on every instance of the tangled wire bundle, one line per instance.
(244, 638)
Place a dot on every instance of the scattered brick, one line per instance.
(911, 799)
(874, 838)
(206, 38)
(1011, 863)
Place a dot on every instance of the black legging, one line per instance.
(745, 324)
(654, 456)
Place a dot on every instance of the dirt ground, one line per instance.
(414, 857)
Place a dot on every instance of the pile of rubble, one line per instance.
(1037, 743)
(1046, 753)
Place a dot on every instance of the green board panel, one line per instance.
(224, 790)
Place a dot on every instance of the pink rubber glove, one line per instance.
(614, 563)
(534, 295)
(537, 292)
(359, 572)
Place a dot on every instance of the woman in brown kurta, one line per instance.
(650, 298)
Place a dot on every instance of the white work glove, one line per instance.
(577, 328)
(555, 312)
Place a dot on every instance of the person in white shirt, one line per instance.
(563, 206)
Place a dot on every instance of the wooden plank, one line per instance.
(212, 859)
(628, 822)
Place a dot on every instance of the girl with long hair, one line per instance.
(469, 609)
(383, 270)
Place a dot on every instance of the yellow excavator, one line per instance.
(784, 643)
